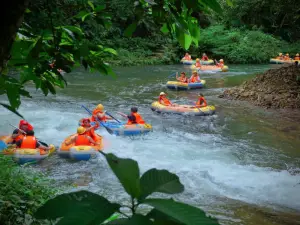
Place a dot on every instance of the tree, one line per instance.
(53, 38)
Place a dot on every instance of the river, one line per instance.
(241, 165)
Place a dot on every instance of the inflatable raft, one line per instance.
(122, 129)
(212, 68)
(183, 109)
(26, 155)
(188, 62)
(279, 61)
(185, 86)
(79, 152)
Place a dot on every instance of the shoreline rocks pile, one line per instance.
(275, 88)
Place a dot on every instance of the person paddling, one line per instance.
(18, 134)
(220, 63)
(195, 78)
(201, 102)
(29, 141)
(134, 117)
(182, 77)
(162, 99)
(81, 139)
(99, 113)
(89, 129)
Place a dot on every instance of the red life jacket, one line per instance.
(198, 64)
(183, 79)
(82, 139)
(95, 115)
(28, 142)
(204, 58)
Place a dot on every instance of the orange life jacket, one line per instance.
(220, 64)
(188, 57)
(198, 64)
(204, 58)
(201, 102)
(19, 137)
(28, 142)
(195, 79)
(95, 112)
(138, 119)
(297, 58)
(82, 139)
(164, 101)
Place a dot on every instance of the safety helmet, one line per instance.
(80, 130)
(86, 120)
(197, 59)
(100, 107)
(287, 54)
(221, 60)
(280, 54)
(297, 54)
(162, 93)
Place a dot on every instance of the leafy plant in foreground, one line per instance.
(83, 207)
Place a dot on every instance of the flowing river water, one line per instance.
(241, 165)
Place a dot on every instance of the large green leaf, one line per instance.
(12, 91)
(213, 4)
(136, 219)
(184, 213)
(185, 40)
(110, 50)
(159, 181)
(229, 2)
(128, 173)
(164, 28)
(160, 218)
(130, 29)
(82, 207)
(74, 29)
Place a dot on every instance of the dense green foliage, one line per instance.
(276, 17)
(238, 46)
(88, 208)
(21, 192)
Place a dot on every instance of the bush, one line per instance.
(21, 192)
(238, 45)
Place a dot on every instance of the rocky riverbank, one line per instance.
(276, 88)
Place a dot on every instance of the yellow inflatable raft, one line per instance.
(279, 61)
(185, 86)
(79, 152)
(212, 68)
(183, 109)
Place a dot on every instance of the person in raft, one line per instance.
(89, 129)
(201, 102)
(287, 56)
(198, 64)
(162, 99)
(82, 138)
(99, 114)
(18, 134)
(182, 77)
(220, 63)
(195, 78)
(187, 57)
(134, 117)
(29, 141)
(280, 56)
(297, 57)
(204, 57)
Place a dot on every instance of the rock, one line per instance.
(276, 88)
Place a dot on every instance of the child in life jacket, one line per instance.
(182, 77)
(201, 102)
(195, 78)
(89, 129)
(297, 57)
(99, 114)
(81, 139)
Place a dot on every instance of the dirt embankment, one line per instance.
(276, 88)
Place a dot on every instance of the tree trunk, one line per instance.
(12, 14)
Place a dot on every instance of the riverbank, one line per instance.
(275, 88)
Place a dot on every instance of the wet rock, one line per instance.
(276, 88)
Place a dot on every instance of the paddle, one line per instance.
(113, 117)
(108, 129)
(172, 75)
(41, 142)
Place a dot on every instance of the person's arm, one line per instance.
(92, 141)
(15, 133)
(72, 140)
